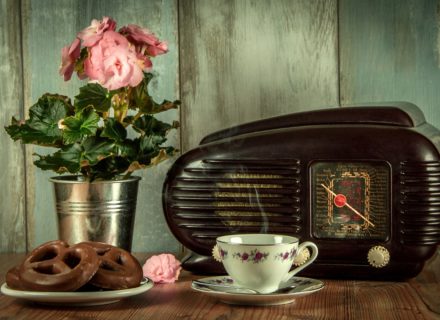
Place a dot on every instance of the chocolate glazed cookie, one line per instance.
(13, 278)
(54, 266)
(118, 268)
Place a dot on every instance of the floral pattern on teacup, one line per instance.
(254, 256)
(283, 256)
(223, 253)
(224, 280)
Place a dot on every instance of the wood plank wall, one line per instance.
(247, 60)
(230, 61)
(12, 160)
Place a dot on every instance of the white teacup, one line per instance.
(261, 262)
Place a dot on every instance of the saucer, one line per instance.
(222, 288)
(89, 298)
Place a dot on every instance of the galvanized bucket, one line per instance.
(98, 211)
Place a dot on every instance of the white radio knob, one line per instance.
(216, 254)
(301, 257)
(378, 257)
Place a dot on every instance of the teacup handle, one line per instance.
(314, 255)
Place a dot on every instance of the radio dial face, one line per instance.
(350, 200)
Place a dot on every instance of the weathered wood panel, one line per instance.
(390, 51)
(251, 59)
(12, 173)
(52, 24)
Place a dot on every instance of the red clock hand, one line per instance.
(340, 201)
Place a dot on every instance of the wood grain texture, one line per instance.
(252, 59)
(390, 50)
(427, 283)
(12, 163)
(350, 300)
(53, 24)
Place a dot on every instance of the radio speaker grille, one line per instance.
(212, 197)
(419, 204)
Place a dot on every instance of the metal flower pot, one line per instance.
(96, 211)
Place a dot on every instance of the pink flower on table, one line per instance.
(145, 41)
(114, 63)
(163, 268)
(69, 54)
(92, 34)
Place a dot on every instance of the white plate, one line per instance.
(301, 287)
(91, 298)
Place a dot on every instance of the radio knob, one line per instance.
(378, 257)
(301, 257)
(216, 254)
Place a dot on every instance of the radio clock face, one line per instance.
(350, 200)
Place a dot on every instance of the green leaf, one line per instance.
(150, 149)
(141, 99)
(148, 125)
(95, 149)
(149, 145)
(153, 134)
(42, 126)
(76, 157)
(65, 160)
(114, 130)
(95, 95)
(82, 124)
(127, 148)
(109, 168)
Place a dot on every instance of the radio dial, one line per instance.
(378, 257)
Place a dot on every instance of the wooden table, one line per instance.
(418, 298)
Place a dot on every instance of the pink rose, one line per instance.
(69, 54)
(121, 69)
(113, 62)
(92, 34)
(164, 268)
(145, 41)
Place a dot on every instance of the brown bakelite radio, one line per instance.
(361, 182)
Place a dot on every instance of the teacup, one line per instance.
(261, 262)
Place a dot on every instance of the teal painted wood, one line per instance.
(12, 173)
(390, 50)
(251, 59)
(52, 24)
(240, 61)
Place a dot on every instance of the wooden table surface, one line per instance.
(418, 298)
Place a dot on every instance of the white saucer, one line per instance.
(234, 295)
(91, 298)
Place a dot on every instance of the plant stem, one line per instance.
(138, 115)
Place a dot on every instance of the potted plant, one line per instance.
(104, 135)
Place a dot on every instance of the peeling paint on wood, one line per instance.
(12, 173)
(389, 52)
(247, 60)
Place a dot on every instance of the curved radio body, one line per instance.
(361, 182)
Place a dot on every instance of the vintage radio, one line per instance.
(361, 182)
